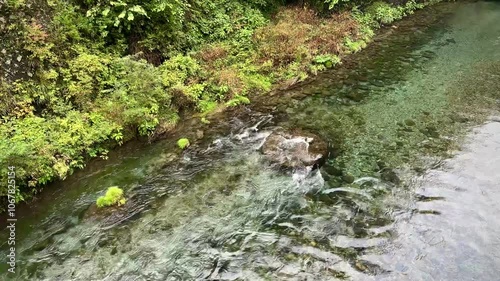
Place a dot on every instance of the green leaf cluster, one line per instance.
(327, 60)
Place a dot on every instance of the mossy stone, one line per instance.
(410, 122)
(183, 143)
(348, 178)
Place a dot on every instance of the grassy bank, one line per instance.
(80, 77)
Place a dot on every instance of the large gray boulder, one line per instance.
(294, 149)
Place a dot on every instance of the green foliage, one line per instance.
(333, 3)
(179, 73)
(385, 13)
(237, 100)
(218, 20)
(43, 149)
(206, 106)
(355, 46)
(136, 97)
(116, 18)
(327, 60)
(326, 5)
(174, 25)
(178, 69)
(113, 197)
(254, 81)
(86, 76)
(183, 143)
(376, 14)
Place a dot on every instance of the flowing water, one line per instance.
(386, 204)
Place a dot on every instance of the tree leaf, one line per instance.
(139, 10)
(119, 3)
(122, 14)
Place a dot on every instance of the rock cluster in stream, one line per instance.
(293, 150)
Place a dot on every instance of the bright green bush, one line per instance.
(384, 12)
(86, 76)
(113, 197)
(178, 69)
(44, 149)
(116, 18)
(136, 97)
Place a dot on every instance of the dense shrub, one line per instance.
(137, 98)
(381, 12)
(299, 38)
(42, 149)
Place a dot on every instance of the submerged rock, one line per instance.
(297, 149)
(199, 134)
(494, 119)
(289, 270)
(95, 212)
(410, 122)
(390, 176)
(110, 215)
(355, 96)
(348, 178)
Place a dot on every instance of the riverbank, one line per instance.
(79, 95)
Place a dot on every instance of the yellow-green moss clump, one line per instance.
(113, 197)
(183, 143)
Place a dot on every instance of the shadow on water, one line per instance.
(222, 211)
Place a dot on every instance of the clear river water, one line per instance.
(410, 189)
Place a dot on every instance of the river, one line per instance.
(410, 189)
